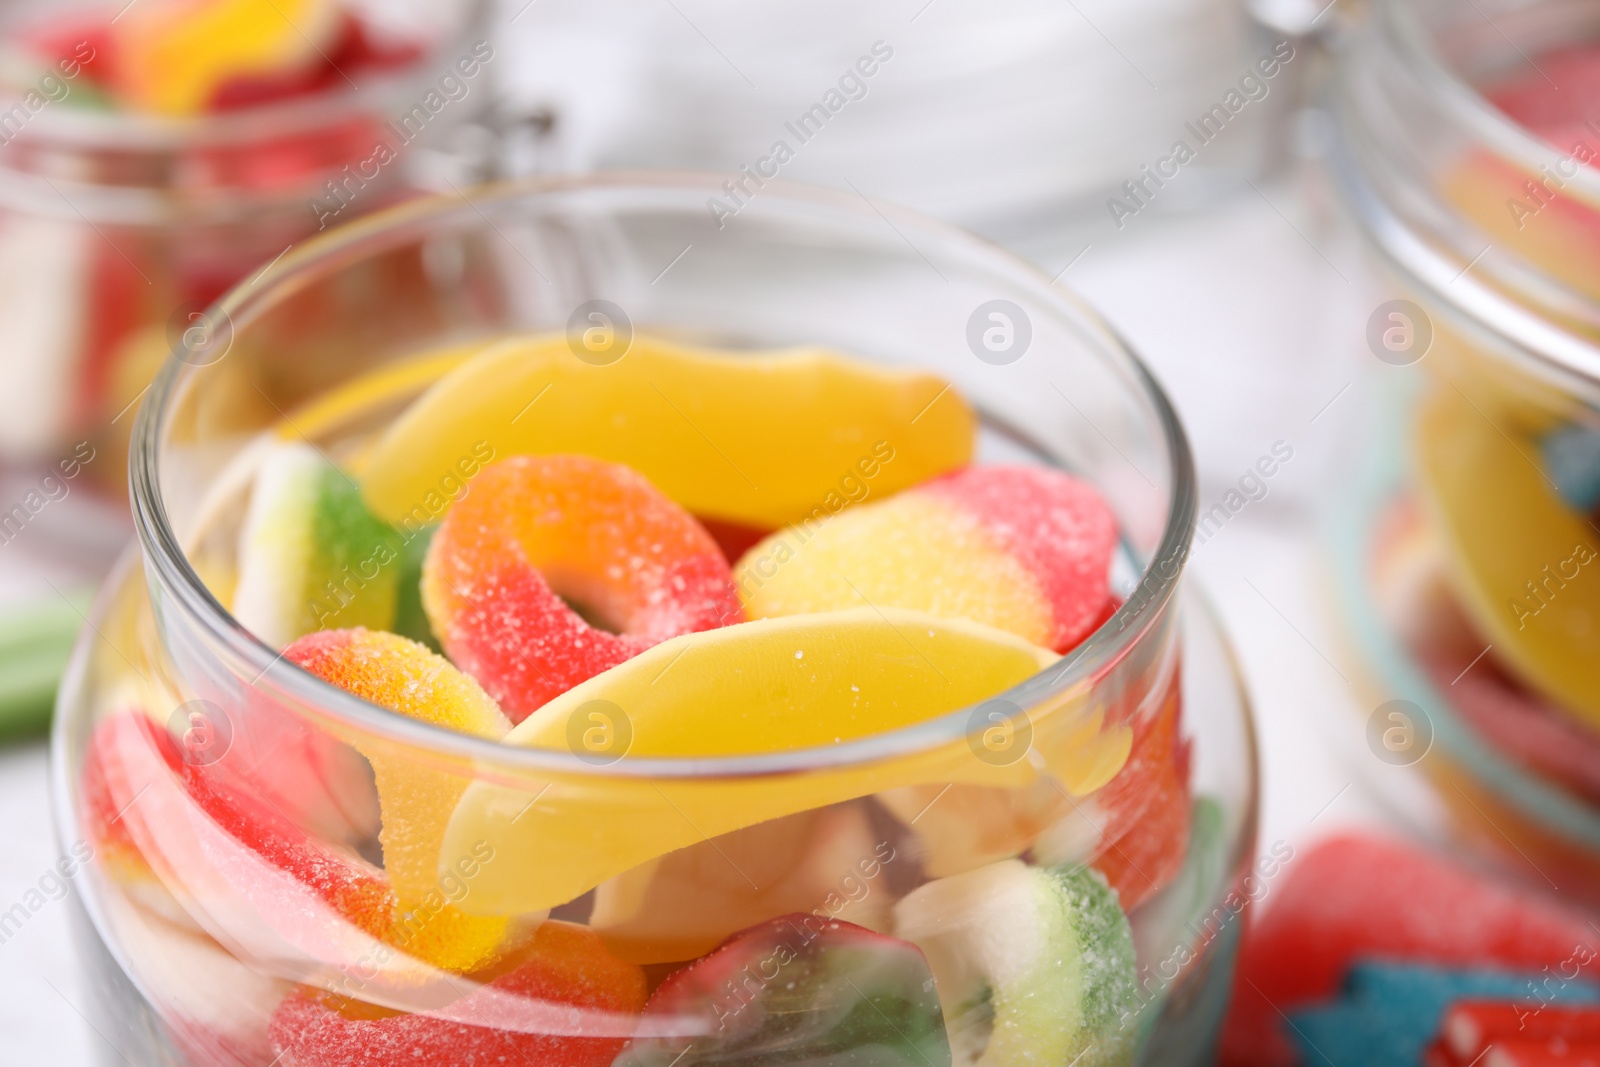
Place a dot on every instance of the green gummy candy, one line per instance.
(1034, 965)
(311, 556)
(410, 620)
(1105, 949)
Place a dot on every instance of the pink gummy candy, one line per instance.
(1058, 527)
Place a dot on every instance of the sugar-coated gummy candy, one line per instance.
(1023, 549)
(214, 1007)
(776, 686)
(419, 922)
(535, 529)
(564, 964)
(107, 787)
(1126, 809)
(756, 439)
(226, 849)
(1390, 1011)
(955, 828)
(1033, 964)
(1472, 1026)
(1147, 807)
(1352, 897)
(801, 989)
(127, 753)
(311, 556)
(415, 800)
(684, 904)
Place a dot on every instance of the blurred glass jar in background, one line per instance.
(997, 114)
(150, 157)
(1469, 561)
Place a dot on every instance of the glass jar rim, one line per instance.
(167, 562)
(1519, 330)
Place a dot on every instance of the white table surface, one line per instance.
(1252, 315)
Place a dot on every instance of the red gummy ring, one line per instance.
(533, 530)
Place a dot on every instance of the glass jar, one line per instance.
(119, 227)
(1004, 115)
(209, 926)
(1465, 559)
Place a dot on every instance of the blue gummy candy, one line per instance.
(1391, 1011)
(1572, 459)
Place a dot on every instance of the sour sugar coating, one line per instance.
(565, 965)
(311, 557)
(533, 530)
(801, 989)
(415, 801)
(1034, 965)
(1023, 549)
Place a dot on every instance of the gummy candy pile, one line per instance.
(190, 57)
(1493, 574)
(1376, 952)
(681, 553)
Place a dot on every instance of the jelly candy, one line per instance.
(1518, 553)
(225, 851)
(959, 828)
(682, 905)
(1147, 808)
(107, 789)
(1472, 1026)
(354, 51)
(215, 1008)
(1352, 897)
(1023, 549)
(1555, 228)
(416, 800)
(777, 686)
(1571, 455)
(1520, 1052)
(790, 684)
(311, 557)
(423, 925)
(1390, 1010)
(1521, 725)
(757, 439)
(354, 888)
(126, 750)
(801, 989)
(564, 964)
(1034, 965)
(171, 56)
(536, 528)
(1133, 824)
